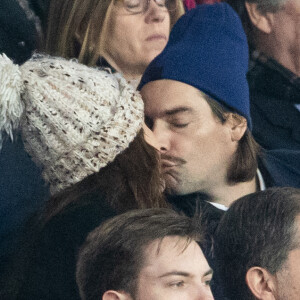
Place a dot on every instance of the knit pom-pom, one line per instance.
(11, 106)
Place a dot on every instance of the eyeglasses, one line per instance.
(140, 6)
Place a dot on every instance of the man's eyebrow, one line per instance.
(177, 110)
(178, 273)
(184, 274)
(209, 272)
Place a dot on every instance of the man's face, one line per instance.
(288, 278)
(172, 272)
(196, 148)
(286, 30)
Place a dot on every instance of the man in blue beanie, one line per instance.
(197, 104)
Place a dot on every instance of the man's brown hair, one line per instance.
(245, 162)
(113, 253)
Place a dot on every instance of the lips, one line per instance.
(171, 161)
(167, 164)
(155, 37)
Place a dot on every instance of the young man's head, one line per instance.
(197, 102)
(273, 27)
(258, 250)
(147, 254)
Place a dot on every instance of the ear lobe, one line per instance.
(261, 283)
(115, 295)
(262, 21)
(237, 125)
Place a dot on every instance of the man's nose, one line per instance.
(162, 136)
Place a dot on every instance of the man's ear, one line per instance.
(116, 295)
(261, 20)
(261, 283)
(237, 125)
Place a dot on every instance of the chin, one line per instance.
(153, 53)
(173, 188)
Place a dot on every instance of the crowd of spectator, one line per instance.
(150, 149)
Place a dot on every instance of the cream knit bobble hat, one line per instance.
(74, 119)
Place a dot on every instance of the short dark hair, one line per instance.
(257, 230)
(113, 253)
(244, 164)
(263, 5)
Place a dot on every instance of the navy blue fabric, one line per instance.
(50, 255)
(274, 94)
(207, 49)
(22, 189)
(22, 192)
(280, 168)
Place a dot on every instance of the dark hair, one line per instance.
(244, 164)
(131, 181)
(113, 253)
(263, 5)
(257, 230)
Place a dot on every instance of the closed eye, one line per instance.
(179, 125)
(177, 284)
(208, 282)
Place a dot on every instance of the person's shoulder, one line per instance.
(282, 165)
(81, 217)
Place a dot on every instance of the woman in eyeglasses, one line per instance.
(124, 35)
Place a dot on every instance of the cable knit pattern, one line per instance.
(76, 119)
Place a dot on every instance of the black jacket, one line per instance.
(49, 262)
(274, 94)
(22, 192)
(22, 189)
(21, 27)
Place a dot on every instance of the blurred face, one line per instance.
(288, 278)
(134, 39)
(170, 272)
(286, 31)
(196, 148)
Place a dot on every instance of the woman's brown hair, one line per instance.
(131, 181)
(75, 28)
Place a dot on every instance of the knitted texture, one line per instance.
(76, 119)
(11, 87)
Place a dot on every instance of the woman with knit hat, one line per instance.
(83, 127)
(124, 35)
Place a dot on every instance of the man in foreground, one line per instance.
(258, 250)
(144, 255)
(197, 104)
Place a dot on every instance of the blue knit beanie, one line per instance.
(208, 50)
